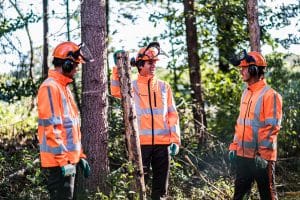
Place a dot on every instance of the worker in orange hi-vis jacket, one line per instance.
(254, 147)
(158, 121)
(58, 122)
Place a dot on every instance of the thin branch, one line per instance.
(14, 4)
(207, 181)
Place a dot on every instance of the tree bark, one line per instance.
(45, 67)
(131, 127)
(253, 25)
(94, 97)
(194, 71)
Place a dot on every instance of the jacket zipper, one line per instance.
(247, 111)
(154, 99)
(150, 104)
(249, 108)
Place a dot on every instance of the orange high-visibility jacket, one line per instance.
(157, 117)
(58, 124)
(258, 123)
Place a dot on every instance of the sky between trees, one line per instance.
(124, 34)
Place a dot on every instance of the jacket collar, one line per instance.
(60, 78)
(145, 79)
(258, 85)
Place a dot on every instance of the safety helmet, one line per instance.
(68, 50)
(147, 54)
(253, 58)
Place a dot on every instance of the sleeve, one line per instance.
(115, 84)
(272, 108)
(173, 118)
(82, 155)
(233, 145)
(50, 122)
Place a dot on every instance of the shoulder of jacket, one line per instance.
(163, 82)
(50, 83)
(271, 92)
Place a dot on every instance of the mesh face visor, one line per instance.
(151, 52)
(84, 53)
(236, 61)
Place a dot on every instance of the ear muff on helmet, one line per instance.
(140, 63)
(69, 63)
(253, 70)
(68, 66)
(137, 64)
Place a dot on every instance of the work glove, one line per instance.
(83, 163)
(115, 55)
(260, 163)
(173, 149)
(232, 156)
(68, 170)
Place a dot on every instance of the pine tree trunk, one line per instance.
(130, 120)
(195, 73)
(253, 24)
(45, 36)
(94, 97)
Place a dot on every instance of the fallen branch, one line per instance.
(206, 180)
(292, 194)
(211, 167)
(21, 172)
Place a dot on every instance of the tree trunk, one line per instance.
(45, 36)
(195, 73)
(253, 25)
(94, 98)
(131, 127)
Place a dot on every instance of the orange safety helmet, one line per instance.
(68, 50)
(149, 54)
(253, 58)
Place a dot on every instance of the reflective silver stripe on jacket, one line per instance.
(115, 83)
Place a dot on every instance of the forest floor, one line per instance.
(21, 178)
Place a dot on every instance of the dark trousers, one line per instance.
(158, 157)
(246, 173)
(59, 187)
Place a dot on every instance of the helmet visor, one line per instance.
(152, 51)
(83, 54)
(242, 56)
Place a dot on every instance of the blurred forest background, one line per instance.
(206, 86)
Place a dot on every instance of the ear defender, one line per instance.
(69, 64)
(253, 70)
